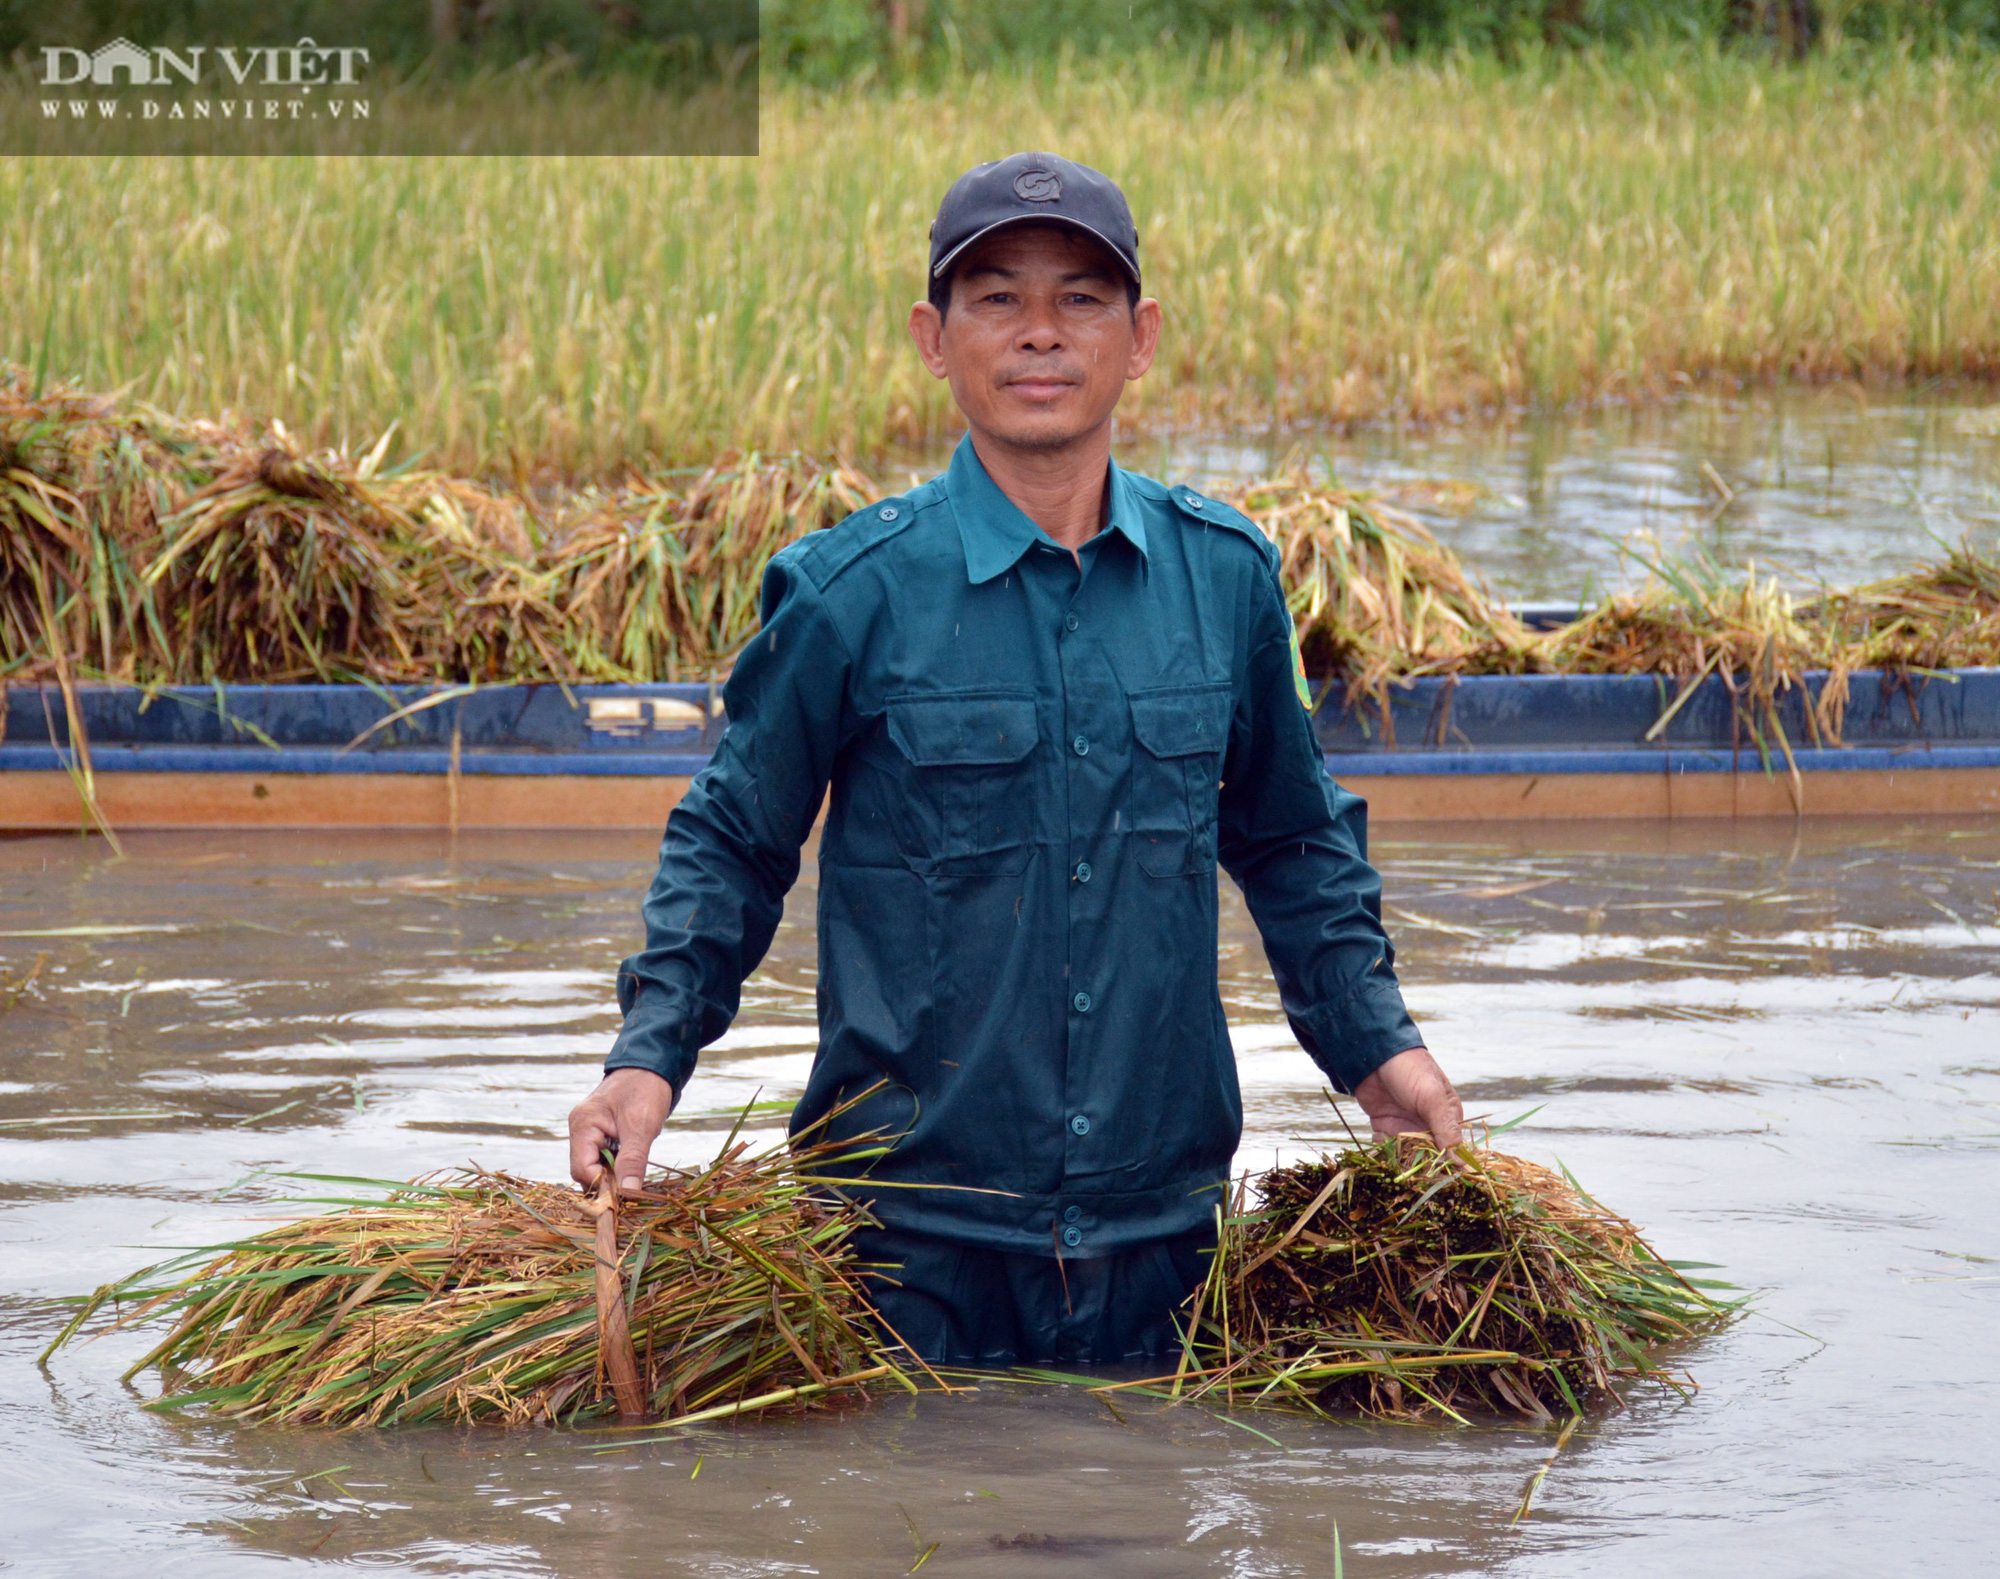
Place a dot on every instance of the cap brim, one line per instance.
(1064, 220)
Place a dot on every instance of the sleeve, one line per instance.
(1296, 844)
(731, 851)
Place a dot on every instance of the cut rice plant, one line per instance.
(1692, 619)
(141, 549)
(1939, 616)
(477, 1296)
(1374, 595)
(180, 552)
(1405, 1281)
(1396, 1279)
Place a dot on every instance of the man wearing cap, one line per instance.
(1048, 697)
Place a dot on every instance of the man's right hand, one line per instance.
(626, 1110)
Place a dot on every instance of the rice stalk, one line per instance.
(474, 1296)
(175, 552)
(1409, 1282)
(77, 764)
(1395, 1279)
(1372, 237)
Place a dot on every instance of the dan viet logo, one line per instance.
(238, 77)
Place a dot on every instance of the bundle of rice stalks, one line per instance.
(142, 548)
(1374, 595)
(1944, 615)
(171, 552)
(476, 1296)
(1395, 1279)
(666, 585)
(1406, 1281)
(1693, 619)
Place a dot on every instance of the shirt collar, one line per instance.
(995, 532)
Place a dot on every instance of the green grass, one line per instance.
(1331, 243)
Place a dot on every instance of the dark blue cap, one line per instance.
(1029, 188)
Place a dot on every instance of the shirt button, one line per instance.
(1079, 1125)
(1083, 871)
(1072, 1237)
(1195, 501)
(1081, 1003)
(888, 512)
(1072, 1214)
(1071, 623)
(1080, 746)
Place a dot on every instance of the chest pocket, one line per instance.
(972, 755)
(1181, 733)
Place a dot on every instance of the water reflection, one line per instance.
(1773, 1046)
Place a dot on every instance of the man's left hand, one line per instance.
(1409, 1094)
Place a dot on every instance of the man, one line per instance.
(1048, 697)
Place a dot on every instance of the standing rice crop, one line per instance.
(1332, 241)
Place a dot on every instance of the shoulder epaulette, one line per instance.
(825, 554)
(1213, 512)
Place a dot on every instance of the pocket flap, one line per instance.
(964, 729)
(1184, 721)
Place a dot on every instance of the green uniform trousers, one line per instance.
(953, 1303)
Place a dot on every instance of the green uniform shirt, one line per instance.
(1035, 767)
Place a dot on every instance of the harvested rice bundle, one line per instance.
(1944, 615)
(171, 552)
(1375, 596)
(476, 1296)
(665, 585)
(1693, 619)
(1406, 1281)
(1396, 1279)
(139, 547)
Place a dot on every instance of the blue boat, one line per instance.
(587, 756)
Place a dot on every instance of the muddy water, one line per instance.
(1815, 485)
(1781, 1053)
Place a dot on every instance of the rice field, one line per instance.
(1339, 242)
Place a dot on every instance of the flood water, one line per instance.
(1778, 1049)
(1815, 485)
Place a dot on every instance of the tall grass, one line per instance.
(1331, 242)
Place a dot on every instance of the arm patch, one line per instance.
(1299, 671)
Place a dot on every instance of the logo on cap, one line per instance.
(1037, 186)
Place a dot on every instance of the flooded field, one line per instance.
(1816, 485)
(1778, 1049)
